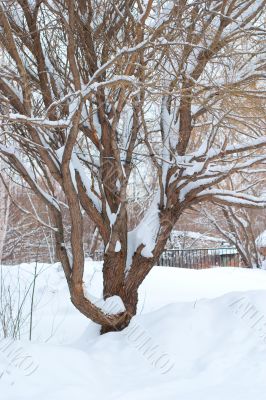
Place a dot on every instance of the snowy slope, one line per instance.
(199, 335)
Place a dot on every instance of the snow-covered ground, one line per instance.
(199, 335)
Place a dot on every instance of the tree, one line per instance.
(4, 211)
(97, 91)
(25, 236)
(239, 225)
(236, 226)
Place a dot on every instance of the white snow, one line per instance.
(194, 235)
(261, 240)
(117, 246)
(145, 233)
(113, 305)
(223, 252)
(86, 180)
(198, 335)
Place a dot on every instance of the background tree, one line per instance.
(237, 224)
(4, 211)
(95, 90)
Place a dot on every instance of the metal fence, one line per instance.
(201, 258)
(195, 258)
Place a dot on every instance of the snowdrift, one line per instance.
(199, 335)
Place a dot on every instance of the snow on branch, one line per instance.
(230, 197)
(27, 175)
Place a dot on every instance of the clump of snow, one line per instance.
(117, 246)
(113, 305)
(145, 233)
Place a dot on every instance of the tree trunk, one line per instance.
(4, 214)
(114, 282)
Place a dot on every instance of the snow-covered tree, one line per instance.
(236, 226)
(97, 91)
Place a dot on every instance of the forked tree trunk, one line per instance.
(117, 282)
(114, 282)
